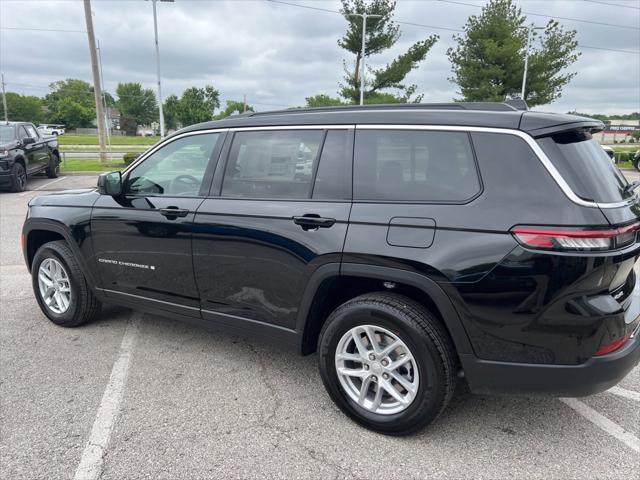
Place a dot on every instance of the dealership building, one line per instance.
(618, 131)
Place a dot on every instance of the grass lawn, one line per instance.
(71, 139)
(90, 165)
(625, 148)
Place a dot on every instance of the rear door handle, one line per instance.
(312, 221)
(174, 212)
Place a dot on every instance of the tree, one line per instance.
(25, 108)
(233, 106)
(137, 103)
(381, 34)
(323, 100)
(488, 61)
(71, 102)
(197, 105)
(170, 109)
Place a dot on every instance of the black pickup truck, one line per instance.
(24, 152)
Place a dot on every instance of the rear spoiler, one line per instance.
(539, 125)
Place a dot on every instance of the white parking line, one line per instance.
(623, 392)
(42, 186)
(602, 422)
(90, 466)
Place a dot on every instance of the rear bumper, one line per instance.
(596, 375)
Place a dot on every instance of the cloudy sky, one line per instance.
(278, 54)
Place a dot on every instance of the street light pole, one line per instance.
(155, 30)
(364, 36)
(526, 59)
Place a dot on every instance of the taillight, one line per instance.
(576, 239)
(612, 347)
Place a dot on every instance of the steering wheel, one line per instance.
(191, 183)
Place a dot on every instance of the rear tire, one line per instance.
(53, 169)
(61, 288)
(427, 355)
(18, 178)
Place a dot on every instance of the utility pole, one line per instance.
(4, 102)
(244, 108)
(364, 16)
(97, 88)
(530, 28)
(104, 100)
(155, 30)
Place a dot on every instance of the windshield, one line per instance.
(585, 166)
(6, 133)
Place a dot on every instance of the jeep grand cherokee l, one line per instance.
(427, 242)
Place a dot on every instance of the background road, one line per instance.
(199, 404)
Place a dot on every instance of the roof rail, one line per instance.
(486, 106)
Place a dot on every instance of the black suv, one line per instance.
(408, 245)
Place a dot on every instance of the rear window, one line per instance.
(414, 165)
(585, 166)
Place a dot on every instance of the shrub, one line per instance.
(129, 157)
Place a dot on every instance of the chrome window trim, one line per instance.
(560, 181)
(546, 162)
(166, 141)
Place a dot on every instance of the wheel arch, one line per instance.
(37, 232)
(331, 286)
(20, 159)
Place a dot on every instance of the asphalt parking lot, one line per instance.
(138, 396)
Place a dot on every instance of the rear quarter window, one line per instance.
(585, 166)
(414, 166)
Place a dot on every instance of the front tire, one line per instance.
(53, 169)
(61, 288)
(387, 362)
(18, 178)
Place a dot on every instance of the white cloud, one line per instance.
(278, 54)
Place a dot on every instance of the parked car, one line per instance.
(51, 129)
(609, 151)
(636, 161)
(430, 243)
(25, 152)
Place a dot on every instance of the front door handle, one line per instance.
(174, 212)
(313, 221)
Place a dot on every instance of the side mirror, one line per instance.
(28, 140)
(110, 183)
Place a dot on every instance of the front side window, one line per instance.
(22, 133)
(414, 165)
(177, 168)
(272, 164)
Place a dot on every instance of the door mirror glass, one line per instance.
(28, 140)
(110, 184)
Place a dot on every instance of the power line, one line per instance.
(533, 14)
(309, 7)
(441, 28)
(636, 52)
(612, 4)
(42, 30)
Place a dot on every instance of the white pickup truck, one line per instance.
(50, 129)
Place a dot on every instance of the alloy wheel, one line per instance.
(54, 284)
(376, 369)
